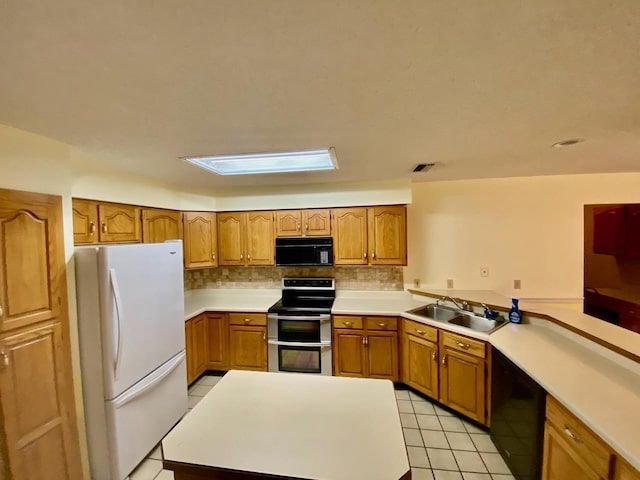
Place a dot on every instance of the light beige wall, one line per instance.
(529, 229)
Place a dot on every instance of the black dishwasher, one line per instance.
(517, 418)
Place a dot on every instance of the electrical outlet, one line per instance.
(450, 283)
(416, 282)
(484, 271)
(516, 284)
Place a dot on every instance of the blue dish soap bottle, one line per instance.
(515, 316)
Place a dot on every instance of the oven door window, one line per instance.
(299, 331)
(299, 359)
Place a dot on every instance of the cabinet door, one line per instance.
(231, 238)
(387, 235)
(609, 230)
(119, 223)
(462, 383)
(218, 342)
(248, 348)
(85, 221)
(32, 269)
(350, 236)
(420, 364)
(316, 222)
(199, 341)
(288, 223)
(349, 355)
(633, 230)
(560, 461)
(160, 225)
(37, 405)
(189, 351)
(382, 355)
(260, 240)
(200, 240)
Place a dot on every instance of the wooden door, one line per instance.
(462, 383)
(37, 405)
(420, 365)
(218, 342)
(231, 239)
(382, 355)
(199, 339)
(317, 222)
(248, 348)
(160, 225)
(632, 239)
(85, 221)
(260, 239)
(200, 240)
(609, 230)
(288, 223)
(560, 461)
(39, 436)
(387, 237)
(350, 236)
(119, 223)
(349, 357)
(189, 350)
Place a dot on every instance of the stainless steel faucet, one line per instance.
(464, 306)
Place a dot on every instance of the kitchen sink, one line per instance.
(436, 312)
(474, 322)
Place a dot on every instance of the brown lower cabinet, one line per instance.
(365, 347)
(223, 341)
(572, 450)
(448, 367)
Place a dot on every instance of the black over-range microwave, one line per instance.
(304, 252)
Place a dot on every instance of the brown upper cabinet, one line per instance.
(246, 238)
(97, 222)
(370, 236)
(160, 225)
(298, 223)
(616, 230)
(200, 240)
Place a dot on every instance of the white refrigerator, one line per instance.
(132, 350)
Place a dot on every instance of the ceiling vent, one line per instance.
(423, 167)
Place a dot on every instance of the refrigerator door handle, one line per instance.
(148, 383)
(118, 336)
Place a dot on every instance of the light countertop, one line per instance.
(599, 386)
(294, 425)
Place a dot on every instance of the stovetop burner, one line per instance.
(306, 295)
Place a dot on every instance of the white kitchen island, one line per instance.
(255, 425)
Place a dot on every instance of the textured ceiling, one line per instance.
(482, 88)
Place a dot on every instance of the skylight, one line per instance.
(258, 163)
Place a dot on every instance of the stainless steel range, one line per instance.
(299, 326)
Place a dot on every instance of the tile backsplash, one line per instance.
(347, 278)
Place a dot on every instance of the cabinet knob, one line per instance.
(420, 332)
(213, 257)
(92, 228)
(382, 325)
(1, 311)
(264, 335)
(365, 255)
(444, 360)
(572, 435)
(373, 254)
(306, 227)
(347, 324)
(248, 256)
(104, 227)
(298, 226)
(4, 362)
(246, 320)
(466, 346)
(434, 356)
(241, 257)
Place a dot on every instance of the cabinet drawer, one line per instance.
(381, 323)
(421, 330)
(585, 443)
(463, 344)
(346, 321)
(254, 319)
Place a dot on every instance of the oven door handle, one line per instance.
(322, 344)
(320, 318)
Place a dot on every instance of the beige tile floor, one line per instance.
(440, 445)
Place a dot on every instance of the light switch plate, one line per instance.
(450, 283)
